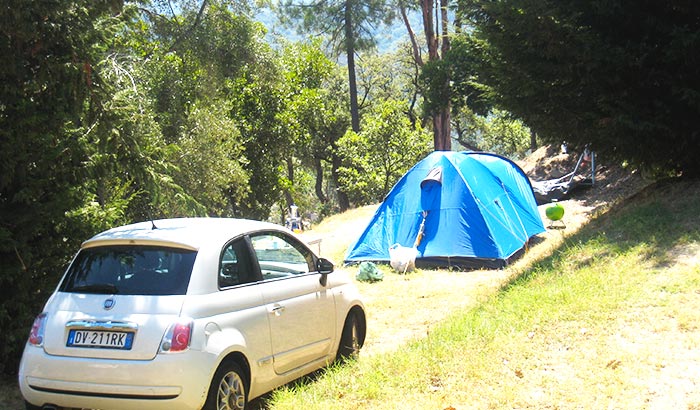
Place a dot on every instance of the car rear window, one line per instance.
(130, 270)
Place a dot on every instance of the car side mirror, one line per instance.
(324, 267)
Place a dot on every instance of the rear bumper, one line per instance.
(174, 381)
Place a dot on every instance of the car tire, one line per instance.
(351, 339)
(229, 388)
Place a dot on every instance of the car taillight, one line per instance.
(177, 338)
(36, 335)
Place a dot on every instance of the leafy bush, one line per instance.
(381, 153)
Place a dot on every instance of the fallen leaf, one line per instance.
(613, 364)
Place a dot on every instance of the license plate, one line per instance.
(100, 339)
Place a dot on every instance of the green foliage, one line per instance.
(305, 66)
(315, 117)
(209, 160)
(435, 78)
(348, 25)
(312, 109)
(125, 139)
(461, 64)
(390, 76)
(496, 132)
(258, 100)
(47, 80)
(112, 114)
(211, 78)
(378, 156)
(622, 76)
(173, 84)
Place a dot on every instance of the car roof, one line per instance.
(191, 233)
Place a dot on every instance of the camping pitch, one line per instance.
(457, 209)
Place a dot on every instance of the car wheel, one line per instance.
(351, 339)
(228, 390)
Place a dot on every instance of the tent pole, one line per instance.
(580, 158)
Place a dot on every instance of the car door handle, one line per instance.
(277, 310)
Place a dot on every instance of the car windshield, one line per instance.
(130, 270)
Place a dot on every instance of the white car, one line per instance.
(188, 313)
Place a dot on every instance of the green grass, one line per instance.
(608, 320)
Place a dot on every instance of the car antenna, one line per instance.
(153, 224)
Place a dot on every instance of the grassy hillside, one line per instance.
(608, 319)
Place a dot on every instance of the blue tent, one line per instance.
(477, 209)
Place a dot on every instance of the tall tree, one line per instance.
(314, 113)
(623, 76)
(257, 98)
(436, 26)
(350, 26)
(210, 60)
(50, 50)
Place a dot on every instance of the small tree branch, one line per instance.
(189, 31)
(411, 35)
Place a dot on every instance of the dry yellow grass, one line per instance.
(405, 307)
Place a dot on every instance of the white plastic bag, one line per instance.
(401, 258)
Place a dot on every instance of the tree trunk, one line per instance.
(429, 29)
(290, 175)
(445, 24)
(443, 131)
(442, 139)
(437, 45)
(319, 181)
(343, 201)
(412, 36)
(352, 81)
(533, 140)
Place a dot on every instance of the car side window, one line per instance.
(235, 267)
(280, 256)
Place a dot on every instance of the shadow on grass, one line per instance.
(263, 402)
(663, 216)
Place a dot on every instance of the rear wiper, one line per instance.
(100, 288)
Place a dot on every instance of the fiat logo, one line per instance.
(109, 304)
